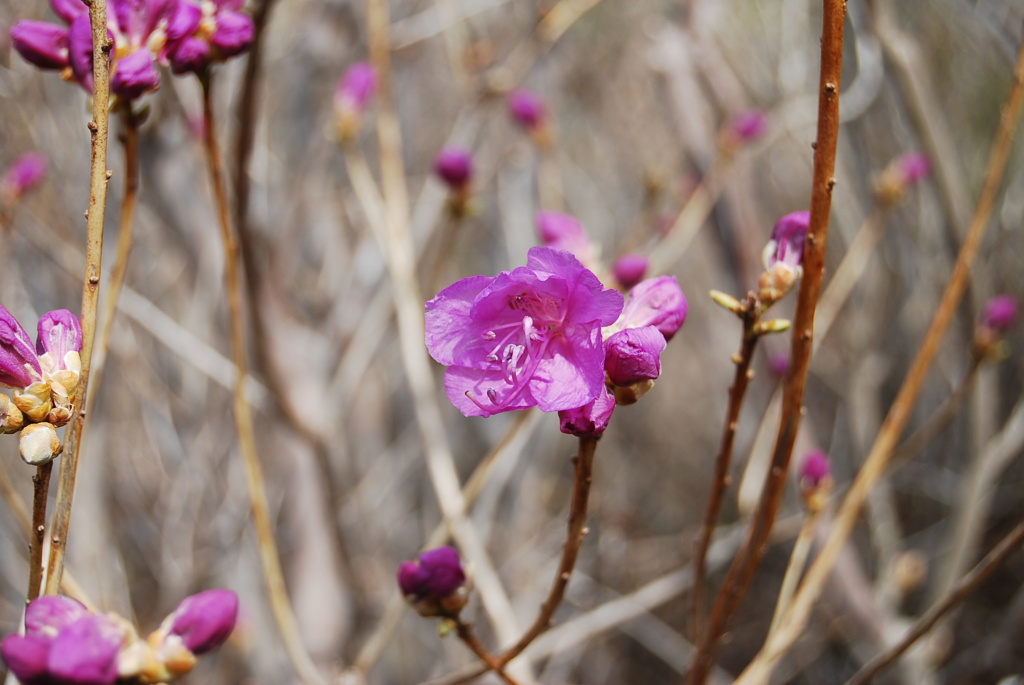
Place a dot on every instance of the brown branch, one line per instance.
(577, 530)
(961, 591)
(98, 176)
(466, 634)
(737, 392)
(40, 491)
(748, 559)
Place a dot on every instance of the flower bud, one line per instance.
(658, 302)
(134, 75)
(69, 10)
(80, 50)
(50, 614)
(588, 421)
(633, 355)
(565, 232)
(43, 44)
(630, 394)
(815, 480)
(454, 166)
(11, 418)
(779, 364)
(85, 652)
(527, 109)
(234, 33)
(351, 98)
(39, 443)
(783, 257)
(26, 657)
(743, 129)
(205, 620)
(434, 584)
(190, 55)
(902, 172)
(59, 334)
(1000, 313)
(24, 174)
(630, 269)
(19, 366)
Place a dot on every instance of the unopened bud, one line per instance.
(588, 421)
(11, 418)
(35, 401)
(631, 394)
(39, 443)
(772, 326)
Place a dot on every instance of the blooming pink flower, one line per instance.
(19, 365)
(524, 338)
(199, 33)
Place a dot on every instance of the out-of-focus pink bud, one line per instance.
(630, 269)
(900, 174)
(43, 44)
(50, 614)
(85, 652)
(57, 334)
(815, 480)
(19, 366)
(434, 584)
(915, 166)
(190, 55)
(748, 126)
(234, 33)
(633, 355)
(565, 232)
(588, 421)
(205, 620)
(26, 657)
(454, 166)
(135, 75)
(69, 10)
(658, 302)
(526, 108)
(783, 257)
(356, 87)
(779, 364)
(80, 50)
(1000, 313)
(25, 173)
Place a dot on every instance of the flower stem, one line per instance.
(130, 121)
(577, 530)
(920, 438)
(749, 557)
(466, 634)
(95, 216)
(269, 556)
(40, 491)
(899, 414)
(737, 393)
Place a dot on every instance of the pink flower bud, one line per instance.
(779, 364)
(69, 10)
(356, 87)
(234, 33)
(633, 355)
(454, 165)
(815, 469)
(565, 232)
(1000, 313)
(135, 75)
(630, 269)
(590, 420)
(190, 55)
(85, 652)
(19, 366)
(658, 302)
(748, 126)
(43, 44)
(205, 620)
(50, 614)
(26, 657)
(24, 174)
(58, 333)
(526, 108)
(787, 242)
(437, 574)
(914, 166)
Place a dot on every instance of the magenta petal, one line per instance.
(52, 613)
(233, 34)
(590, 420)
(41, 43)
(58, 333)
(135, 75)
(80, 50)
(85, 653)
(656, 302)
(183, 21)
(572, 375)
(205, 620)
(443, 570)
(588, 300)
(190, 54)
(26, 657)
(633, 355)
(17, 354)
(459, 380)
(448, 320)
(69, 10)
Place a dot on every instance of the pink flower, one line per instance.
(657, 302)
(524, 338)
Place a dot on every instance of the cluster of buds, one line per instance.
(902, 173)
(435, 584)
(44, 378)
(527, 109)
(24, 174)
(815, 481)
(454, 166)
(351, 98)
(65, 644)
(653, 313)
(989, 334)
(187, 35)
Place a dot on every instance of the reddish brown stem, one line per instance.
(584, 464)
(736, 394)
(748, 559)
(40, 491)
(466, 634)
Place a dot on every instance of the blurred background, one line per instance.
(638, 94)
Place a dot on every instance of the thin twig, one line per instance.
(577, 530)
(741, 380)
(40, 493)
(920, 438)
(748, 559)
(794, 568)
(958, 593)
(466, 634)
(269, 556)
(98, 176)
(902, 407)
